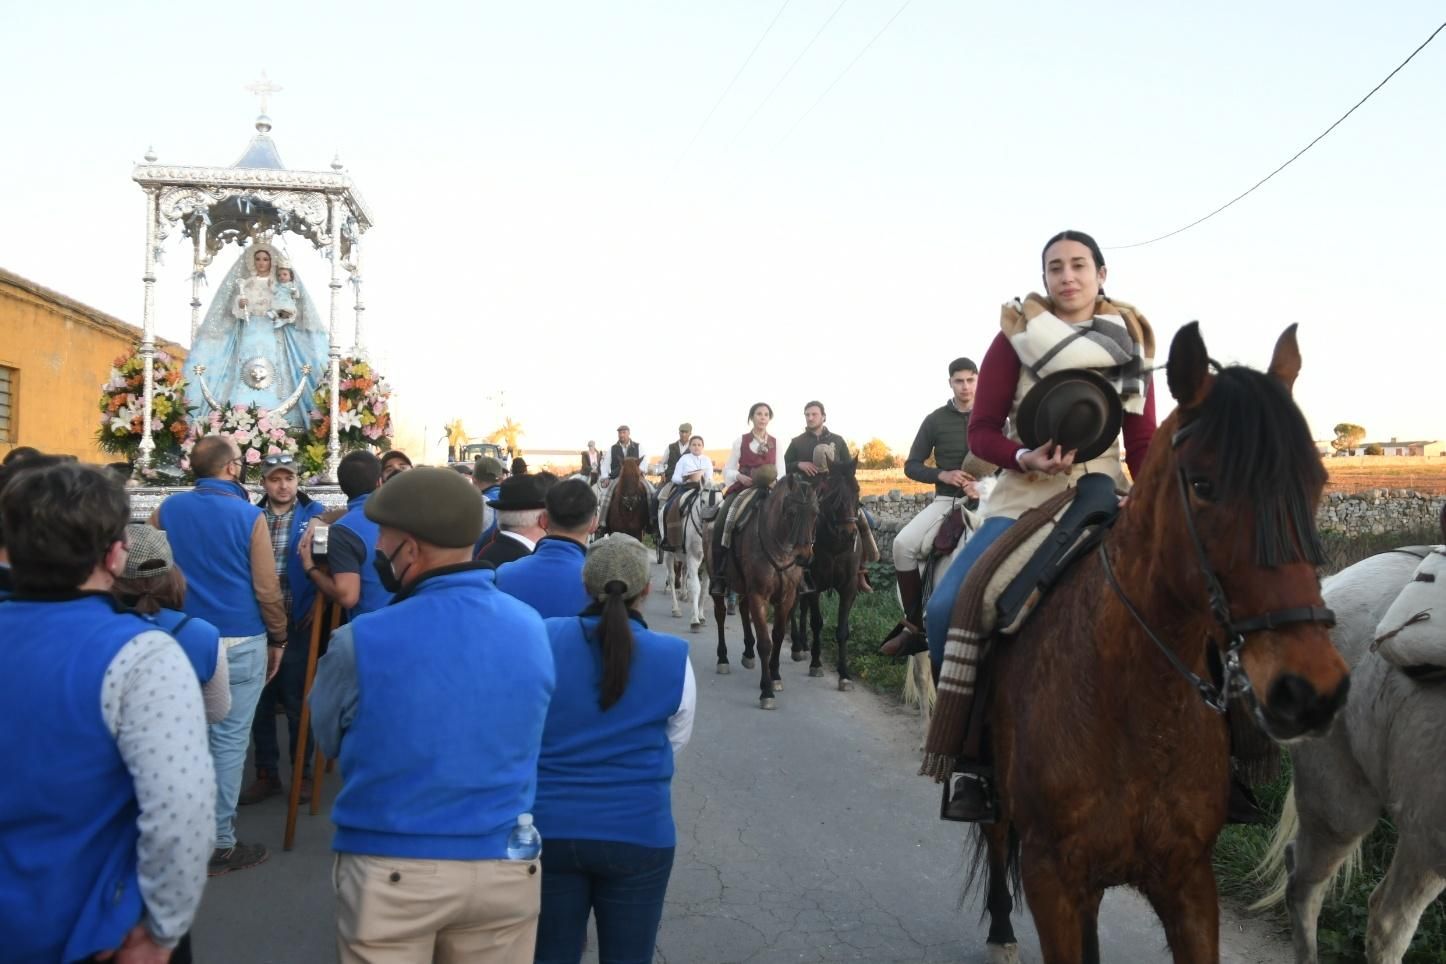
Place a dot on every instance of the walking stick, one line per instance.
(303, 736)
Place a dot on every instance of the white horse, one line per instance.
(1382, 755)
(697, 529)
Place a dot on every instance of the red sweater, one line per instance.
(998, 378)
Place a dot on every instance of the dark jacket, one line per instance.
(944, 433)
(503, 549)
(802, 446)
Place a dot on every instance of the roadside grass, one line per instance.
(1342, 928)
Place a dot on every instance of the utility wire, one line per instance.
(1318, 138)
(744, 66)
(842, 73)
(801, 54)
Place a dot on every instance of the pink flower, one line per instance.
(238, 409)
(378, 407)
(252, 456)
(278, 434)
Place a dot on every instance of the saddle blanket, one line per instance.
(738, 512)
(1412, 634)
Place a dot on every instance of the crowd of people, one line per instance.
(491, 669)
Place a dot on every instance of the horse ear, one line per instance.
(1285, 363)
(1189, 367)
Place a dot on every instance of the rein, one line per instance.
(1233, 679)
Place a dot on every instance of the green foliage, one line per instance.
(1342, 928)
(876, 455)
(874, 615)
(1348, 436)
(1374, 449)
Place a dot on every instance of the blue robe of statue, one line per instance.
(256, 342)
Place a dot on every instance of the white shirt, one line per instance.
(730, 468)
(680, 724)
(690, 463)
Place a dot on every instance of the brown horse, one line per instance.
(1110, 744)
(628, 502)
(762, 566)
(837, 554)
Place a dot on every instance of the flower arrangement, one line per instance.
(254, 430)
(363, 419)
(122, 402)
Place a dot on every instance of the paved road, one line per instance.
(803, 835)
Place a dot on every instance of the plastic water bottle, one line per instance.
(524, 843)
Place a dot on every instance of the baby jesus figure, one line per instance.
(283, 297)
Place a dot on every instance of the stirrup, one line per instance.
(969, 795)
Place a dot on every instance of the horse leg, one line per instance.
(748, 639)
(723, 666)
(756, 608)
(810, 604)
(1057, 905)
(781, 610)
(1002, 946)
(797, 614)
(1090, 928)
(674, 583)
(1396, 905)
(841, 636)
(1189, 908)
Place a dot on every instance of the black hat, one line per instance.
(1078, 409)
(520, 492)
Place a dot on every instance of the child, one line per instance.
(284, 296)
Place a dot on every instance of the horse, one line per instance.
(1377, 759)
(687, 568)
(1109, 741)
(762, 565)
(627, 509)
(837, 555)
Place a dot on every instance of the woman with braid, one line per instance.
(622, 708)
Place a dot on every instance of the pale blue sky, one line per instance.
(537, 233)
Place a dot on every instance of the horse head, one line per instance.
(796, 504)
(838, 500)
(1228, 496)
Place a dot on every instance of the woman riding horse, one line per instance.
(755, 448)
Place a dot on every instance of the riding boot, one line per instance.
(806, 586)
(908, 637)
(1244, 808)
(969, 794)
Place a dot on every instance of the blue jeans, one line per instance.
(946, 590)
(623, 884)
(286, 687)
(229, 738)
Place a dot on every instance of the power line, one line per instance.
(1294, 157)
(809, 46)
(843, 73)
(744, 66)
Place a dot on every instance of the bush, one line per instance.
(1374, 449)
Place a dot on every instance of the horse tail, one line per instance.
(978, 868)
(1272, 867)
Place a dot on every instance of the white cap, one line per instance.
(524, 819)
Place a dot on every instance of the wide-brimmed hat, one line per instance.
(520, 492)
(1078, 409)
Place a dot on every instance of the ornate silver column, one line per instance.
(333, 446)
(358, 306)
(145, 453)
(198, 265)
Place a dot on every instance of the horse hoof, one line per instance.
(696, 627)
(748, 662)
(815, 671)
(676, 613)
(724, 669)
(778, 684)
(799, 655)
(1002, 954)
(844, 685)
(767, 703)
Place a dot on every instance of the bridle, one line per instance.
(842, 524)
(1233, 679)
(798, 504)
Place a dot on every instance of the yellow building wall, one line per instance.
(62, 352)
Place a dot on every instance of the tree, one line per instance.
(876, 455)
(1348, 436)
(508, 432)
(456, 438)
(1374, 449)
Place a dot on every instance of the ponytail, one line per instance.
(615, 633)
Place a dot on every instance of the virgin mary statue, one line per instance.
(262, 342)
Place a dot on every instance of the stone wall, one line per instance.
(1352, 514)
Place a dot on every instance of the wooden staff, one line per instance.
(318, 614)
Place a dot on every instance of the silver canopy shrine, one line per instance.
(262, 342)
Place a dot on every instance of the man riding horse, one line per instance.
(676, 450)
(800, 458)
(624, 448)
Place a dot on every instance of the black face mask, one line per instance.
(390, 581)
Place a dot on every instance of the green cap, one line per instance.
(435, 505)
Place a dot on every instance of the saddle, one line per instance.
(675, 510)
(1409, 635)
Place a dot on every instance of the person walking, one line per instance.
(550, 580)
(350, 578)
(434, 707)
(622, 710)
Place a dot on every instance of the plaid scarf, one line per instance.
(972, 627)
(280, 527)
(1117, 342)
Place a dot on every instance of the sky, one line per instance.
(591, 213)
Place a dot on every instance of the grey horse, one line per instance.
(1382, 756)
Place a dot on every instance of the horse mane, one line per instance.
(1264, 456)
(630, 470)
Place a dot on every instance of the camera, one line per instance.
(320, 538)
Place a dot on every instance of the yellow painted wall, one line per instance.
(63, 351)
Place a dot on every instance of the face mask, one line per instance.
(388, 576)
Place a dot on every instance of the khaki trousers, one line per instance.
(393, 910)
(916, 540)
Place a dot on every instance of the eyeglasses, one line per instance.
(280, 458)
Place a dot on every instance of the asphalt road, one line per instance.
(803, 835)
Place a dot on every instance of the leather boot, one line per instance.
(1244, 808)
(969, 795)
(908, 637)
(267, 784)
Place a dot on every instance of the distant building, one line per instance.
(55, 354)
(1434, 449)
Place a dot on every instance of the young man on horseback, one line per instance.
(692, 471)
(800, 458)
(666, 488)
(944, 434)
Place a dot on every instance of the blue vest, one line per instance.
(453, 682)
(68, 880)
(373, 596)
(549, 580)
(199, 640)
(303, 590)
(210, 534)
(605, 775)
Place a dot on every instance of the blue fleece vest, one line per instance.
(210, 534)
(549, 580)
(373, 596)
(303, 590)
(453, 682)
(606, 774)
(68, 880)
(199, 640)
